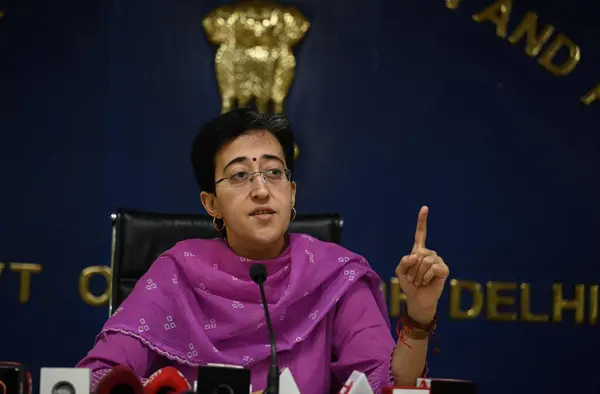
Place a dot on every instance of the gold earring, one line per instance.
(216, 226)
(293, 214)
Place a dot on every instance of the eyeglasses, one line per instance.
(272, 176)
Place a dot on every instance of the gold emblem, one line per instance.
(255, 58)
(452, 4)
(255, 61)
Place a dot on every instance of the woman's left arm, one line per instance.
(361, 335)
(409, 361)
(422, 275)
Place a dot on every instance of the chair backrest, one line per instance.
(139, 237)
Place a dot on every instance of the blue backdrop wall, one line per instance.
(395, 105)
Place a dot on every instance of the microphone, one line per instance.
(166, 381)
(357, 383)
(287, 383)
(120, 380)
(14, 378)
(65, 381)
(258, 273)
(223, 379)
(438, 386)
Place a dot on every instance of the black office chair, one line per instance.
(138, 238)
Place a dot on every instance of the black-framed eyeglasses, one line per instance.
(272, 176)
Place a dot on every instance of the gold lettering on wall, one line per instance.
(559, 303)
(452, 4)
(84, 285)
(25, 270)
(456, 289)
(498, 13)
(496, 299)
(528, 28)
(539, 41)
(502, 305)
(560, 41)
(593, 304)
(526, 314)
(1, 268)
(592, 95)
(397, 297)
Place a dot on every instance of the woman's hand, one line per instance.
(422, 275)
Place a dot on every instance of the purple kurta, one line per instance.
(197, 305)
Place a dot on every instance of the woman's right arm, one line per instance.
(114, 349)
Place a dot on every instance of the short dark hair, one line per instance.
(225, 128)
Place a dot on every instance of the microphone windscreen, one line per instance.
(166, 380)
(120, 380)
(287, 383)
(357, 383)
(258, 272)
(447, 386)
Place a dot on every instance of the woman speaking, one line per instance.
(197, 303)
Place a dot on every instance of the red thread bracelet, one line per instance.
(408, 325)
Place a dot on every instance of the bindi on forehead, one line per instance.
(254, 159)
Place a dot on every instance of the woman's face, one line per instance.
(256, 209)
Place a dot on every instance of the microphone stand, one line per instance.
(258, 273)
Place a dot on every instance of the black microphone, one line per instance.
(14, 378)
(258, 273)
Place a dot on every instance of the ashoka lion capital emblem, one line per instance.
(255, 59)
